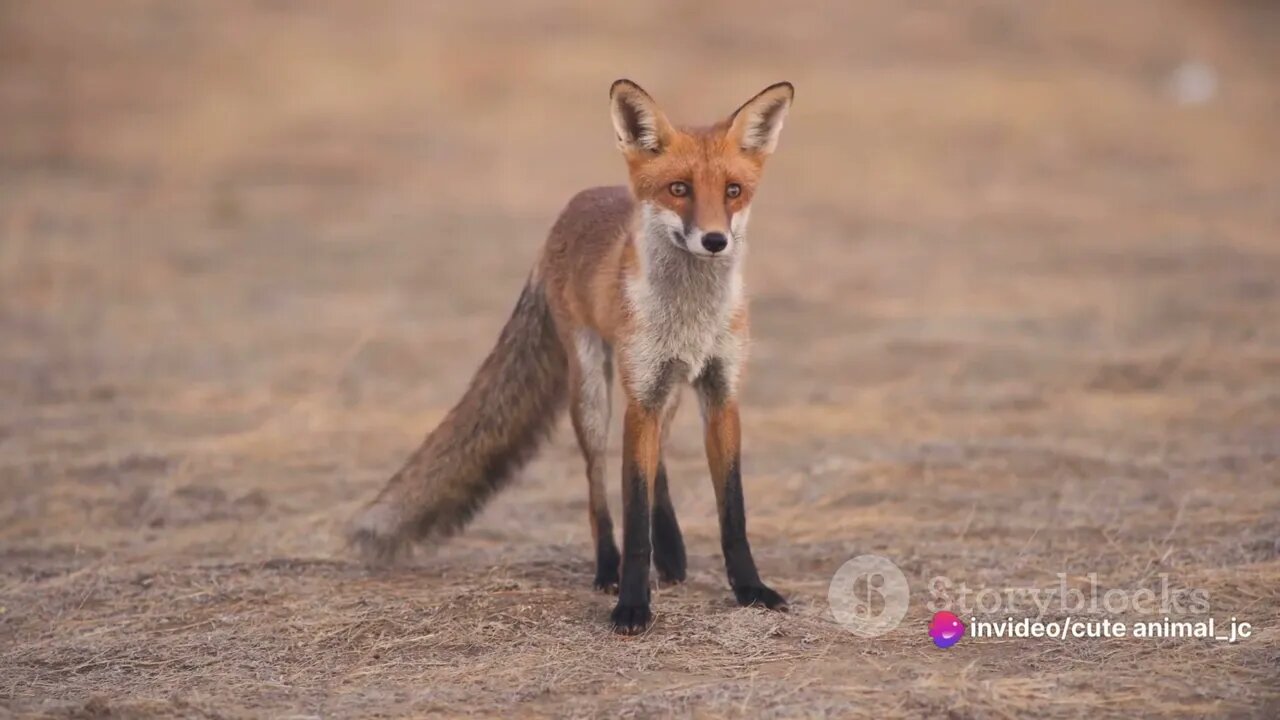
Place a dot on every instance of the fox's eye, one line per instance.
(733, 190)
(679, 189)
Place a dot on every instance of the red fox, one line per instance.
(653, 275)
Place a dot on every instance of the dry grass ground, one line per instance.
(1017, 313)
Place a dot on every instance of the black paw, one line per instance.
(668, 549)
(607, 562)
(671, 573)
(759, 595)
(631, 619)
(670, 562)
(606, 584)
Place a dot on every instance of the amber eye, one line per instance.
(733, 190)
(678, 189)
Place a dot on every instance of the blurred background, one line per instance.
(288, 169)
(1015, 273)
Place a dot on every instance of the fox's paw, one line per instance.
(607, 562)
(631, 619)
(671, 574)
(668, 554)
(606, 583)
(759, 596)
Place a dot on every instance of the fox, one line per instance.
(647, 278)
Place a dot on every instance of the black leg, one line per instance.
(724, 457)
(741, 567)
(668, 543)
(607, 558)
(632, 615)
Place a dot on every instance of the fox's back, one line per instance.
(582, 264)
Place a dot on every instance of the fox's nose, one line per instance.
(714, 242)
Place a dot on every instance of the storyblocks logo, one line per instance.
(869, 595)
(959, 598)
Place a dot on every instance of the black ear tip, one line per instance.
(623, 84)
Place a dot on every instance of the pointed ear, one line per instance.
(637, 121)
(758, 123)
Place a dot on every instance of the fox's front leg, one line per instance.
(723, 441)
(640, 453)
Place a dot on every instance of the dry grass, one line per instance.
(1017, 313)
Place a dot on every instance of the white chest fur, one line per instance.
(682, 306)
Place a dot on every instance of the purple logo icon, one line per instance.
(945, 629)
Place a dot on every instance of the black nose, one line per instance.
(715, 242)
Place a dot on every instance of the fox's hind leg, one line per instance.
(590, 400)
(668, 543)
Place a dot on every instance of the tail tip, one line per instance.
(375, 534)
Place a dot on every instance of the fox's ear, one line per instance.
(639, 124)
(758, 123)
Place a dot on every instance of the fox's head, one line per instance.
(697, 183)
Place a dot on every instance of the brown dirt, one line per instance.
(1017, 313)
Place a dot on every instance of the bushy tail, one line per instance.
(510, 407)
